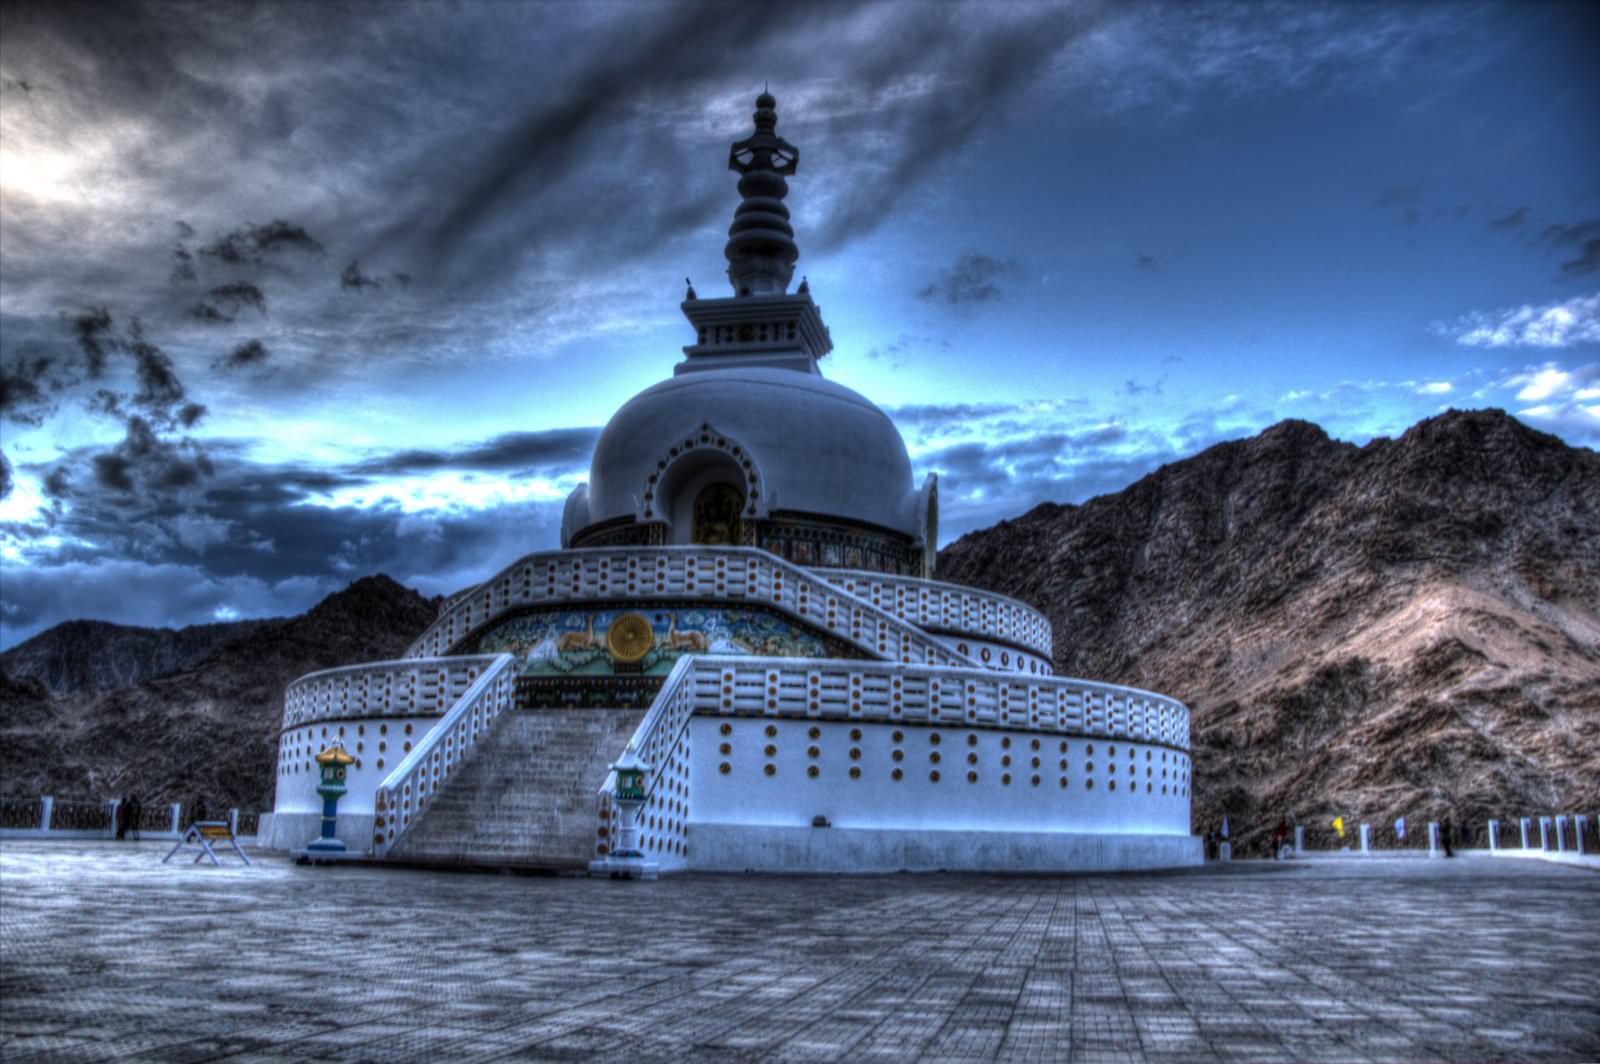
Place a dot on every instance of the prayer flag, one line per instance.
(1338, 825)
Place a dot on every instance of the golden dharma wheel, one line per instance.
(630, 637)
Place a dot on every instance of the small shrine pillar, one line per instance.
(333, 762)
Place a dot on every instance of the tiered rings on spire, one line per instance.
(761, 250)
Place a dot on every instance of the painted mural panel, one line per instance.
(642, 641)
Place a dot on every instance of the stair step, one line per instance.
(526, 792)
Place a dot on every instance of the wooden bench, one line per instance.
(200, 835)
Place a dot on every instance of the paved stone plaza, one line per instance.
(109, 954)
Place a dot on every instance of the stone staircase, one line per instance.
(525, 798)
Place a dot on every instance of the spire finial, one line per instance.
(761, 250)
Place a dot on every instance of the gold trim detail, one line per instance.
(630, 637)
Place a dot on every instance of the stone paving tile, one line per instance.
(105, 954)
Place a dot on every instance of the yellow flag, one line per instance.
(1338, 825)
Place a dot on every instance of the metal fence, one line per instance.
(1547, 832)
(50, 816)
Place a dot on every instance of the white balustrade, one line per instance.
(406, 792)
(948, 607)
(715, 574)
(831, 689)
(422, 687)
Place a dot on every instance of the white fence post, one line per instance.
(116, 807)
(1544, 833)
(1299, 840)
(1494, 830)
(1581, 823)
(1561, 834)
(177, 817)
(1524, 833)
(1433, 839)
(1366, 839)
(47, 806)
(233, 821)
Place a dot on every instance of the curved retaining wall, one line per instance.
(952, 609)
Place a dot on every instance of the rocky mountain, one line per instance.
(101, 656)
(1409, 628)
(207, 729)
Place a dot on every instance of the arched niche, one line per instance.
(704, 481)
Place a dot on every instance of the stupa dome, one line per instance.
(786, 439)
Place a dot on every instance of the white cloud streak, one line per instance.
(1564, 324)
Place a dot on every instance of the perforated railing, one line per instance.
(952, 607)
(662, 741)
(725, 574)
(829, 689)
(404, 795)
(419, 687)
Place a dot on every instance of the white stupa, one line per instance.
(743, 605)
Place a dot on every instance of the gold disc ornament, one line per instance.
(630, 637)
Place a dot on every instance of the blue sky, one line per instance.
(290, 294)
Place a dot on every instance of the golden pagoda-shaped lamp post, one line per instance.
(334, 762)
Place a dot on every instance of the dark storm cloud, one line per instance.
(93, 330)
(25, 386)
(557, 448)
(207, 314)
(250, 244)
(983, 482)
(972, 279)
(147, 461)
(159, 386)
(1510, 221)
(182, 265)
(992, 60)
(249, 353)
(542, 147)
(664, 55)
(258, 539)
(241, 294)
(1582, 236)
(352, 279)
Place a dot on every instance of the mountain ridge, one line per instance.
(206, 730)
(1409, 601)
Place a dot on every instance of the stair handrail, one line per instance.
(642, 734)
(669, 714)
(405, 793)
(802, 595)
